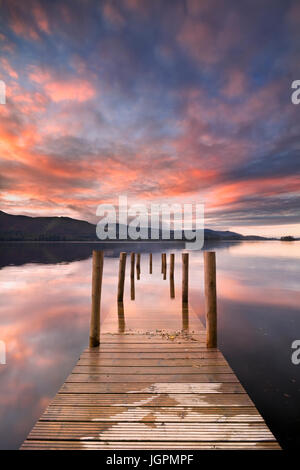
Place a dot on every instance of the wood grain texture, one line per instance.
(135, 393)
(142, 387)
(123, 445)
(140, 431)
(155, 414)
(159, 370)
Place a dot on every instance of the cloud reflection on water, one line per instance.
(45, 319)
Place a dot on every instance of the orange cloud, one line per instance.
(112, 14)
(233, 193)
(8, 68)
(41, 18)
(39, 75)
(20, 28)
(76, 90)
(236, 84)
(71, 89)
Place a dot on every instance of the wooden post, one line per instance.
(132, 288)
(138, 266)
(172, 288)
(210, 298)
(121, 317)
(138, 260)
(172, 260)
(165, 266)
(132, 264)
(162, 263)
(185, 277)
(122, 266)
(172, 284)
(150, 263)
(185, 316)
(96, 298)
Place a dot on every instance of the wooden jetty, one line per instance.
(153, 391)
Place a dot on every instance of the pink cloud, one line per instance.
(75, 90)
(112, 14)
(201, 42)
(66, 89)
(41, 18)
(8, 68)
(20, 28)
(39, 75)
(236, 84)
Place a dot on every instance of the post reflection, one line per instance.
(185, 316)
(121, 317)
(132, 288)
(138, 266)
(172, 287)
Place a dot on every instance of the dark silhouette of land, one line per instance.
(24, 228)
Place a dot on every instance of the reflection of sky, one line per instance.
(45, 321)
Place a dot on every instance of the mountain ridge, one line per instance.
(61, 228)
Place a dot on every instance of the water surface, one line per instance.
(45, 309)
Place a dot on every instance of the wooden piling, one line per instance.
(122, 266)
(172, 284)
(96, 298)
(121, 317)
(185, 277)
(138, 266)
(185, 316)
(132, 289)
(132, 264)
(172, 263)
(210, 298)
(164, 265)
(150, 263)
(172, 288)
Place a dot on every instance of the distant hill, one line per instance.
(227, 235)
(24, 228)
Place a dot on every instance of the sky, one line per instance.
(162, 101)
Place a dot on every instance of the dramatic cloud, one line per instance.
(167, 100)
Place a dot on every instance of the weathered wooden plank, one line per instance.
(144, 399)
(146, 347)
(129, 370)
(215, 377)
(139, 431)
(138, 393)
(134, 445)
(146, 387)
(121, 362)
(203, 354)
(168, 338)
(153, 415)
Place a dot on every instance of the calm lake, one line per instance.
(45, 312)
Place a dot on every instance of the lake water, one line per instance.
(45, 311)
